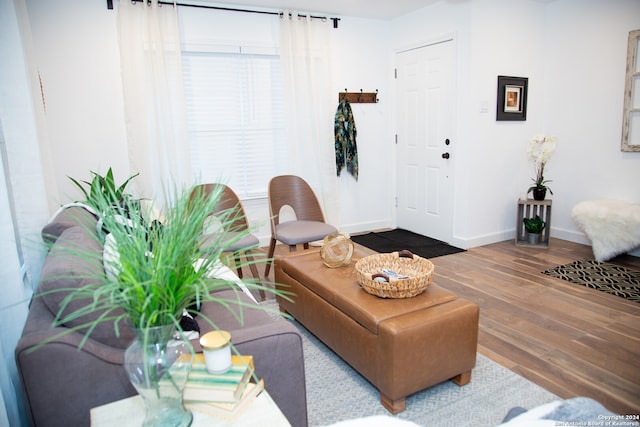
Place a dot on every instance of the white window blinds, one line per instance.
(235, 117)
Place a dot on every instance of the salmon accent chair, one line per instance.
(309, 225)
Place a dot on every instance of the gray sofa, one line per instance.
(61, 383)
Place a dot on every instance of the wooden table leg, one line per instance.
(462, 379)
(393, 406)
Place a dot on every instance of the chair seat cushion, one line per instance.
(247, 242)
(296, 232)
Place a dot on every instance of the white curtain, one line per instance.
(305, 52)
(23, 196)
(154, 97)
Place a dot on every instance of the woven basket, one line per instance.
(419, 270)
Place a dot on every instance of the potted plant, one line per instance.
(534, 227)
(103, 187)
(539, 152)
(153, 274)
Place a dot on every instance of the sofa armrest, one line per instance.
(29, 343)
(276, 347)
(279, 359)
(61, 382)
(67, 216)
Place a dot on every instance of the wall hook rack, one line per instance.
(359, 97)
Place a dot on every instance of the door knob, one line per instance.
(445, 155)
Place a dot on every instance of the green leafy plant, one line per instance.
(539, 182)
(156, 272)
(534, 225)
(103, 187)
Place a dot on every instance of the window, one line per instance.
(235, 119)
(631, 118)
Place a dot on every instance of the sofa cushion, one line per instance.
(65, 268)
(68, 216)
(232, 316)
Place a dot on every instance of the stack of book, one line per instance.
(225, 395)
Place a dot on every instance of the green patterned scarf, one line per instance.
(345, 139)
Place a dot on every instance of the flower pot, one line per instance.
(539, 193)
(158, 365)
(534, 238)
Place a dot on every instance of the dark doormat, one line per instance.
(603, 276)
(399, 239)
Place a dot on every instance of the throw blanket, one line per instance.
(577, 411)
(613, 226)
(345, 139)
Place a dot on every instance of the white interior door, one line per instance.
(425, 78)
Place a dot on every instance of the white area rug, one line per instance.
(336, 392)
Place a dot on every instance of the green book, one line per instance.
(203, 386)
(229, 411)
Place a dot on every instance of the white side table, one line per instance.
(130, 413)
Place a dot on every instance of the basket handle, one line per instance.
(405, 254)
(384, 276)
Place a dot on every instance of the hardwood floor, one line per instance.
(569, 339)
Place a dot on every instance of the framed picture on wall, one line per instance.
(512, 98)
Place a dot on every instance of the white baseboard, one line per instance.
(559, 233)
(486, 239)
(363, 227)
(570, 235)
(466, 243)
(510, 234)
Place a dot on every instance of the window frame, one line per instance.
(631, 93)
(238, 182)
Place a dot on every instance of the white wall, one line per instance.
(361, 60)
(503, 43)
(574, 47)
(76, 50)
(585, 71)
(570, 47)
(19, 227)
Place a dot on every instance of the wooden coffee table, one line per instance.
(401, 346)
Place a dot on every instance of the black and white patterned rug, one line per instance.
(603, 276)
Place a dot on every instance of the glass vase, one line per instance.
(158, 362)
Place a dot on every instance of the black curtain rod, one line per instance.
(229, 9)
